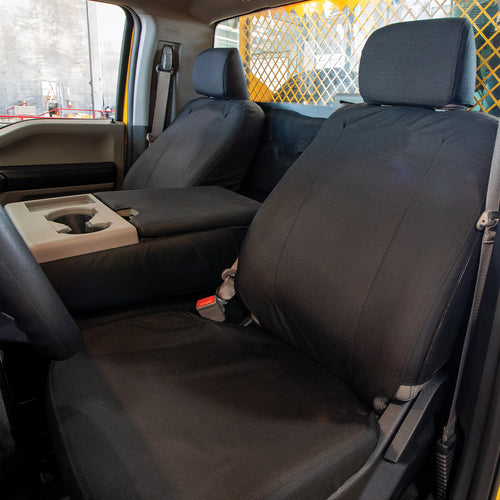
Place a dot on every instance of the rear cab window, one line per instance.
(60, 60)
(308, 53)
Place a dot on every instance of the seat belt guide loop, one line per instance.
(166, 63)
(226, 290)
(488, 220)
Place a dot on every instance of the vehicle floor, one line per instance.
(29, 473)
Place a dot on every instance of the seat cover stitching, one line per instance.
(299, 210)
(160, 157)
(382, 260)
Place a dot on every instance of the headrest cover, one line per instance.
(219, 73)
(420, 63)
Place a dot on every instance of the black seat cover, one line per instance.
(213, 139)
(175, 406)
(357, 266)
(394, 193)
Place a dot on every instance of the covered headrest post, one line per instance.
(429, 63)
(219, 73)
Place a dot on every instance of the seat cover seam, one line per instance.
(326, 161)
(382, 260)
(187, 110)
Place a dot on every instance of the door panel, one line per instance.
(41, 158)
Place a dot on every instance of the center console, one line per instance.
(56, 228)
(119, 248)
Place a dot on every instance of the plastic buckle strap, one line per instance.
(151, 138)
(166, 60)
(160, 68)
(488, 223)
(488, 219)
(226, 290)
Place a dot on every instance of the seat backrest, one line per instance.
(285, 137)
(213, 139)
(363, 256)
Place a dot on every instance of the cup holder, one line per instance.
(77, 222)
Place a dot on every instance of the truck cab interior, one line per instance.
(338, 223)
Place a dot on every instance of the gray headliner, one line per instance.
(204, 11)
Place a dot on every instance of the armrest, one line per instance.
(168, 212)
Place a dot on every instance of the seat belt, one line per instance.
(165, 70)
(487, 223)
(214, 306)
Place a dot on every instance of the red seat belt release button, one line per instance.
(212, 308)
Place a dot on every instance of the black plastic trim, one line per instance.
(21, 177)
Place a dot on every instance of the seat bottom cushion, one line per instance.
(171, 405)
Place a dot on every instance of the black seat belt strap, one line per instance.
(487, 223)
(165, 70)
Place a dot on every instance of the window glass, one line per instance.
(309, 52)
(59, 59)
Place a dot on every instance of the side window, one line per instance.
(59, 59)
(309, 52)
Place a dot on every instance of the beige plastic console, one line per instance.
(56, 228)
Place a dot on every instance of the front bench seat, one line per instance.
(358, 267)
(213, 139)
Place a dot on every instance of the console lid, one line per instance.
(167, 212)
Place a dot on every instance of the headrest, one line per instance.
(420, 63)
(219, 73)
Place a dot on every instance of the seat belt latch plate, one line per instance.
(211, 308)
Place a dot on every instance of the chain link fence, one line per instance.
(309, 52)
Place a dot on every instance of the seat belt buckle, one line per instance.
(212, 307)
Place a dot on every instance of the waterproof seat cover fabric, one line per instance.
(167, 212)
(175, 406)
(358, 266)
(441, 51)
(380, 211)
(213, 139)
